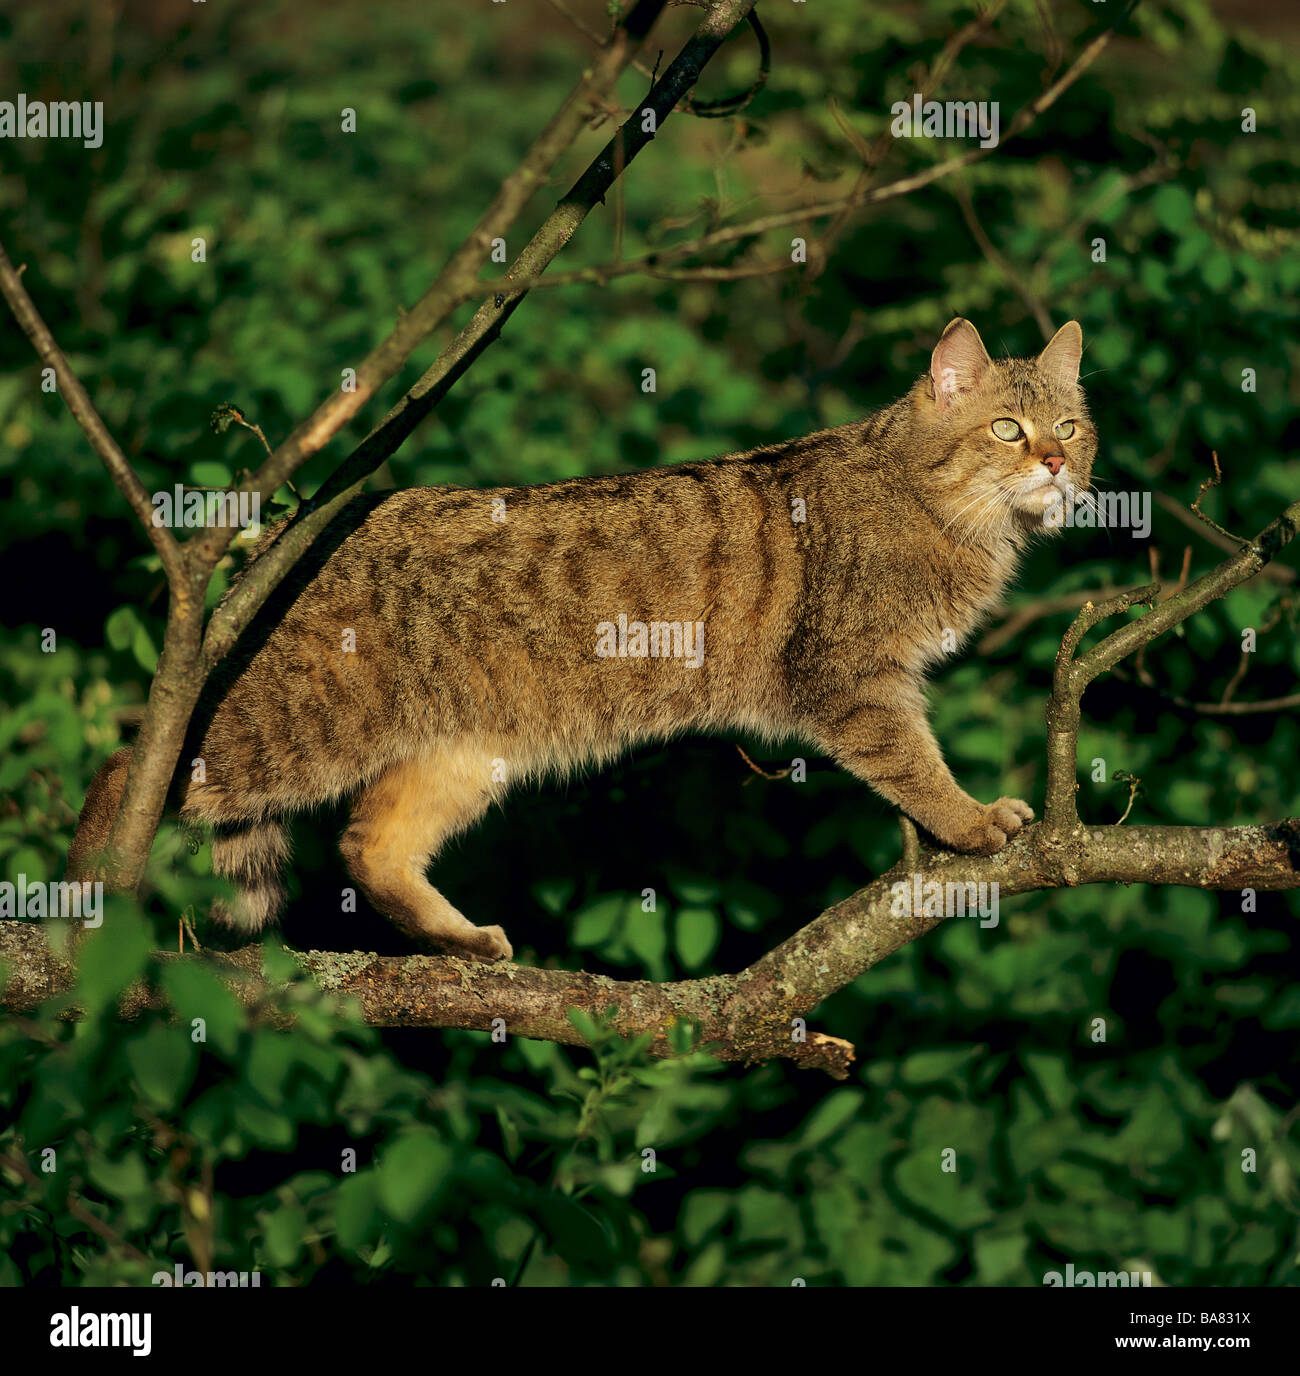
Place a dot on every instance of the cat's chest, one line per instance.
(949, 594)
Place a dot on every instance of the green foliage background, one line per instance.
(525, 1161)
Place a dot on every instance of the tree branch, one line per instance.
(752, 1016)
(1275, 573)
(655, 261)
(1233, 709)
(1072, 676)
(448, 289)
(92, 425)
(1016, 617)
(262, 575)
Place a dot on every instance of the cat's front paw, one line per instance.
(998, 823)
(478, 943)
(491, 944)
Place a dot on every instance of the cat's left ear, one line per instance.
(958, 362)
(1060, 359)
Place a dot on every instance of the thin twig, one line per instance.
(1014, 279)
(655, 261)
(92, 425)
(763, 773)
(1025, 614)
(1134, 786)
(911, 844)
(1275, 573)
(18, 1163)
(189, 927)
(1213, 481)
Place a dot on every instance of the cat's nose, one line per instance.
(1054, 463)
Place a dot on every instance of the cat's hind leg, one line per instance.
(399, 823)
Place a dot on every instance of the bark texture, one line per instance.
(755, 1015)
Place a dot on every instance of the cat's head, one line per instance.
(1004, 443)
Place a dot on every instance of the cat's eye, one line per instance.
(1007, 430)
(1064, 429)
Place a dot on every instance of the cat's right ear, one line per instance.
(959, 361)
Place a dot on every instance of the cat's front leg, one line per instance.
(882, 736)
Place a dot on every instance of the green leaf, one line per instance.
(124, 1178)
(112, 956)
(509, 1133)
(125, 630)
(704, 1211)
(999, 1256)
(412, 1171)
(263, 1126)
(282, 1233)
(270, 1059)
(356, 1206)
(833, 1113)
(554, 895)
(162, 1062)
(924, 1067)
(209, 473)
(588, 1028)
(698, 930)
(1217, 271)
(1173, 207)
(196, 992)
(573, 1232)
(597, 922)
(143, 649)
(120, 627)
(647, 935)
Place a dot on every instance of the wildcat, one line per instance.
(443, 644)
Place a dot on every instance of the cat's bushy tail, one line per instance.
(97, 814)
(250, 853)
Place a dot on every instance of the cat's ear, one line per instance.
(1060, 359)
(959, 361)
